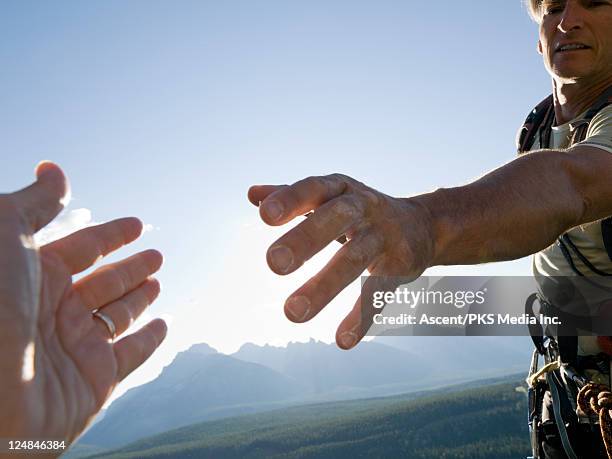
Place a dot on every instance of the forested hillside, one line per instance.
(479, 423)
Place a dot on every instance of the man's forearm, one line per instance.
(511, 212)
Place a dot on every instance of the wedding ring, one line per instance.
(110, 325)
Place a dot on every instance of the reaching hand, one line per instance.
(58, 362)
(388, 236)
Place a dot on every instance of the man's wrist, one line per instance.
(436, 231)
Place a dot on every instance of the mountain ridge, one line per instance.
(202, 384)
(485, 421)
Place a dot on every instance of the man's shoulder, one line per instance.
(599, 133)
(603, 119)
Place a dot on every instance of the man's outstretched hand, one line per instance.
(58, 364)
(387, 236)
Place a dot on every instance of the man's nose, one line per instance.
(572, 16)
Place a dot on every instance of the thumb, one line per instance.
(40, 202)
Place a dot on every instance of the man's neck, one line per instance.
(571, 99)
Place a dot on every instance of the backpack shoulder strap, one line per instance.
(580, 128)
(542, 116)
(532, 124)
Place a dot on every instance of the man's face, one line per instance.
(576, 39)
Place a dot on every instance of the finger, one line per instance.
(350, 332)
(357, 323)
(112, 281)
(124, 311)
(82, 249)
(286, 203)
(133, 350)
(346, 266)
(326, 224)
(40, 202)
(258, 193)
(342, 239)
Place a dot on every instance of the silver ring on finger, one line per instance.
(110, 325)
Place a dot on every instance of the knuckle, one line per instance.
(375, 242)
(362, 250)
(152, 343)
(305, 239)
(337, 176)
(355, 256)
(102, 244)
(145, 297)
(142, 347)
(130, 316)
(406, 249)
(371, 196)
(142, 344)
(351, 183)
(404, 254)
(312, 185)
(336, 183)
(122, 278)
(347, 206)
(125, 316)
(97, 245)
(322, 185)
(310, 181)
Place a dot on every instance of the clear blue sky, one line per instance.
(170, 110)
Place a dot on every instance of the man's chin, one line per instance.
(570, 73)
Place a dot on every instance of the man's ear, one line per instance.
(540, 47)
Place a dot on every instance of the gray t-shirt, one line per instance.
(587, 237)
